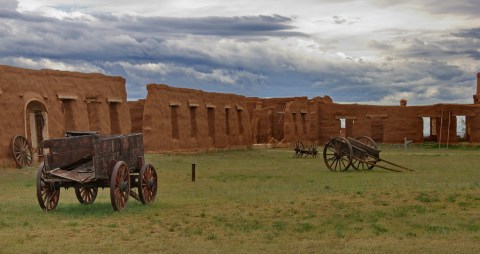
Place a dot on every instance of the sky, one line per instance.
(368, 52)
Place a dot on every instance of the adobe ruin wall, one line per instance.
(180, 119)
(58, 101)
(392, 124)
(136, 115)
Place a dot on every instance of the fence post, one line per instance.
(193, 172)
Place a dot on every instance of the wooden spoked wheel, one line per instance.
(314, 151)
(47, 193)
(86, 195)
(22, 151)
(361, 165)
(337, 154)
(119, 186)
(147, 184)
(367, 141)
(299, 148)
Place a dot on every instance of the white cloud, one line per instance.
(50, 64)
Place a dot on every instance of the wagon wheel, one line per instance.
(357, 164)
(301, 149)
(147, 184)
(47, 193)
(367, 141)
(86, 195)
(22, 151)
(298, 149)
(119, 186)
(314, 151)
(337, 154)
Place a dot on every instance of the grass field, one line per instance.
(252, 201)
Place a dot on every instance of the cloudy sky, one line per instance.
(371, 51)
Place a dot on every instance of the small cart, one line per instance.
(86, 161)
(360, 153)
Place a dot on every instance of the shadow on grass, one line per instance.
(98, 209)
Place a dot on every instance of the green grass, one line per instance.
(248, 201)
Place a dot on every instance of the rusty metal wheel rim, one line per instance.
(335, 159)
(120, 186)
(147, 184)
(47, 193)
(86, 195)
(22, 151)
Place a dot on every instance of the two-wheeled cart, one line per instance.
(361, 153)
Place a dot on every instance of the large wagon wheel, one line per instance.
(357, 164)
(337, 154)
(147, 184)
(22, 151)
(86, 195)
(119, 186)
(47, 193)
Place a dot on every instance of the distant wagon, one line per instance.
(86, 161)
(361, 153)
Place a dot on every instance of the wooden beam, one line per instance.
(65, 97)
(174, 104)
(114, 100)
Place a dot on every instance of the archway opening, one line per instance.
(36, 126)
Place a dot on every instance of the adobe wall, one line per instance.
(70, 101)
(286, 120)
(397, 122)
(180, 119)
(136, 114)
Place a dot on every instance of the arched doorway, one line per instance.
(36, 126)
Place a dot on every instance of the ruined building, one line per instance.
(44, 104)
(179, 119)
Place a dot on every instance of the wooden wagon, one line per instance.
(360, 153)
(86, 161)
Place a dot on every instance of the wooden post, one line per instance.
(193, 172)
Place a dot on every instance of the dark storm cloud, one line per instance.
(108, 37)
(219, 26)
(469, 33)
(249, 55)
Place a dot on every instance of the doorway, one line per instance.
(36, 126)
